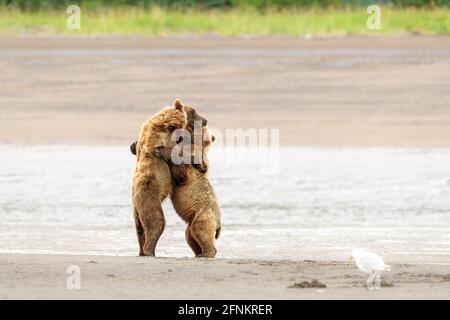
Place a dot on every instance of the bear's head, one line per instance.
(194, 127)
(194, 122)
(169, 119)
(157, 131)
(193, 118)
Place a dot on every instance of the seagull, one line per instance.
(372, 264)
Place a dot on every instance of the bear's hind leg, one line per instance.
(191, 242)
(152, 219)
(140, 233)
(203, 231)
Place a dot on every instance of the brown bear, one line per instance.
(152, 181)
(194, 198)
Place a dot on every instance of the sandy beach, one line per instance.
(45, 277)
(350, 91)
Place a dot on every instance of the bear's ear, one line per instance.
(133, 147)
(178, 104)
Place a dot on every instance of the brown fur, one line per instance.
(152, 180)
(195, 201)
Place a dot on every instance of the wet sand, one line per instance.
(353, 91)
(45, 277)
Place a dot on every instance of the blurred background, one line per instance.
(227, 17)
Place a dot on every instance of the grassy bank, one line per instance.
(158, 21)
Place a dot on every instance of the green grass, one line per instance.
(158, 21)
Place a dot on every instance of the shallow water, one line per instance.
(321, 203)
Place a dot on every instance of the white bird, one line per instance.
(372, 264)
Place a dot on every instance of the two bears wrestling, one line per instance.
(171, 163)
